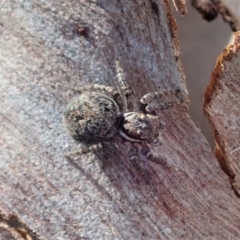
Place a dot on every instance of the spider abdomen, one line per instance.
(92, 117)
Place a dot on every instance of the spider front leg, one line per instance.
(126, 99)
(160, 100)
(126, 92)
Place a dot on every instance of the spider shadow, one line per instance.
(131, 167)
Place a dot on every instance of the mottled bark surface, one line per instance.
(222, 109)
(47, 49)
(5, 234)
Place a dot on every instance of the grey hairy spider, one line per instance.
(97, 114)
(100, 112)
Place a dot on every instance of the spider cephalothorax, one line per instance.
(140, 127)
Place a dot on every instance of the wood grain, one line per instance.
(222, 109)
(47, 48)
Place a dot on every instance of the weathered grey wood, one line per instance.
(222, 109)
(49, 47)
(5, 234)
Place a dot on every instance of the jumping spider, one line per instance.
(98, 113)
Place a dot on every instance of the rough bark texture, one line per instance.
(222, 109)
(5, 234)
(47, 48)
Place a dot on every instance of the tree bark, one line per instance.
(221, 106)
(49, 48)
